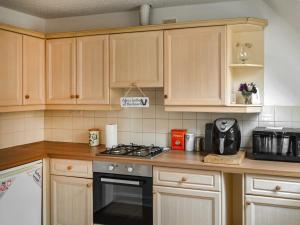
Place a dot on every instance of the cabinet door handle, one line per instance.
(77, 96)
(183, 179)
(248, 203)
(27, 96)
(72, 96)
(69, 167)
(89, 185)
(165, 96)
(277, 188)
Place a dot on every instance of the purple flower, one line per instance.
(248, 89)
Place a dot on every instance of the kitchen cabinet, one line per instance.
(33, 70)
(177, 206)
(136, 58)
(77, 70)
(194, 66)
(10, 68)
(71, 201)
(183, 196)
(272, 211)
(71, 192)
(61, 71)
(92, 70)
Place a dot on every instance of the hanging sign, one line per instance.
(134, 102)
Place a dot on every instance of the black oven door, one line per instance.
(122, 199)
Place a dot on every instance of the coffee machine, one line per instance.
(222, 137)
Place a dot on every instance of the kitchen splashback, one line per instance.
(19, 128)
(153, 125)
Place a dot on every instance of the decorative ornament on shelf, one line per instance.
(250, 93)
(243, 54)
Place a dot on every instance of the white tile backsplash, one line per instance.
(135, 125)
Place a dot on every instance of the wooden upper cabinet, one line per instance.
(92, 70)
(10, 68)
(194, 66)
(136, 58)
(33, 70)
(61, 71)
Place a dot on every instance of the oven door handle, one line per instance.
(120, 181)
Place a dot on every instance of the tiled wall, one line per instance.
(21, 128)
(153, 125)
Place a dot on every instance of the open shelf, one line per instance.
(246, 65)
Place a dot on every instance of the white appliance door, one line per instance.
(21, 195)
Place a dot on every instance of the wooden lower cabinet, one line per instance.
(71, 201)
(179, 206)
(272, 211)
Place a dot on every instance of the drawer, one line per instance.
(74, 168)
(186, 178)
(273, 186)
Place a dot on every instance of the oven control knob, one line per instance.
(111, 167)
(130, 169)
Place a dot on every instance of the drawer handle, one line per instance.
(89, 185)
(277, 188)
(183, 179)
(69, 167)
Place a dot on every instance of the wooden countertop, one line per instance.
(19, 155)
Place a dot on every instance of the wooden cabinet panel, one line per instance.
(272, 211)
(10, 68)
(61, 71)
(273, 186)
(185, 178)
(194, 66)
(33, 70)
(76, 168)
(92, 70)
(136, 58)
(176, 206)
(71, 201)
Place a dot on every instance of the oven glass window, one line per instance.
(120, 199)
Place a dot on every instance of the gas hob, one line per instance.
(133, 150)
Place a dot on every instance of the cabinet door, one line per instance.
(136, 58)
(10, 68)
(195, 66)
(176, 206)
(71, 201)
(61, 71)
(33, 70)
(92, 70)
(272, 211)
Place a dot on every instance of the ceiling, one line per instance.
(67, 8)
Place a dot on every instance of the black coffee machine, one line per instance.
(222, 137)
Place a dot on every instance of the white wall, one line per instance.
(282, 73)
(23, 20)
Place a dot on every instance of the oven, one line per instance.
(122, 194)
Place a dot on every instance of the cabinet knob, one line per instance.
(69, 167)
(165, 96)
(27, 96)
(183, 179)
(72, 96)
(277, 188)
(248, 203)
(89, 185)
(77, 96)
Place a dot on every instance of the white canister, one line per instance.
(145, 14)
(94, 137)
(189, 142)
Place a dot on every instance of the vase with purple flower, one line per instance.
(247, 90)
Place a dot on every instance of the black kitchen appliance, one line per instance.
(279, 144)
(122, 193)
(222, 137)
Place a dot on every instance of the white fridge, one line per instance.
(21, 195)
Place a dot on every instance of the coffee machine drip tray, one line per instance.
(276, 144)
